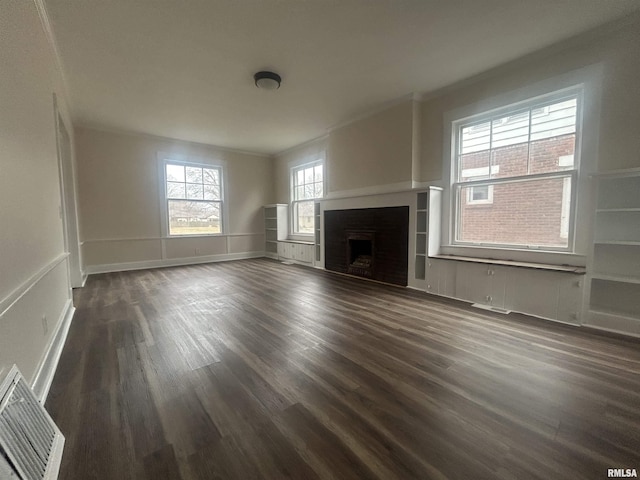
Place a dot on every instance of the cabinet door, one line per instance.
(432, 276)
(481, 283)
(546, 294)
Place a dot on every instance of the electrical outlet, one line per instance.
(45, 325)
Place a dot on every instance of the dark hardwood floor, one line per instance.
(253, 369)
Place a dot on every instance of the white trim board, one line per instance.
(22, 289)
(170, 262)
(48, 365)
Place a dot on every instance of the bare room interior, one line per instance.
(282, 239)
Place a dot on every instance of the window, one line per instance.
(306, 185)
(193, 196)
(514, 174)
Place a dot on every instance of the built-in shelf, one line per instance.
(427, 237)
(617, 242)
(616, 278)
(318, 233)
(615, 282)
(614, 210)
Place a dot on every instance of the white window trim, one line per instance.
(590, 78)
(188, 160)
(305, 162)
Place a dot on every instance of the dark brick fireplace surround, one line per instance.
(368, 242)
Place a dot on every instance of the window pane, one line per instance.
(510, 130)
(299, 177)
(175, 190)
(552, 154)
(474, 166)
(308, 191)
(211, 176)
(193, 218)
(303, 217)
(317, 190)
(194, 174)
(308, 175)
(299, 193)
(475, 138)
(525, 213)
(175, 173)
(317, 173)
(194, 191)
(509, 161)
(211, 192)
(554, 120)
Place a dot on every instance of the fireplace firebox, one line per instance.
(361, 253)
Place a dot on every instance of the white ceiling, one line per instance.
(184, 68)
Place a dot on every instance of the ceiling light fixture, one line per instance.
(267, 80)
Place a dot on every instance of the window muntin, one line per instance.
(194, 201)
(307, 184)
(513, 175)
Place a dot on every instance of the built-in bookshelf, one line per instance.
(615, 272)
(275, 227)
(317, 231)
(428, 206)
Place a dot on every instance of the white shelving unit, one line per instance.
(614, 295)
(275, 227)
(318, 232)
(428, 208)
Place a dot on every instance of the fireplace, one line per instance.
(361, 253)
(368, 242)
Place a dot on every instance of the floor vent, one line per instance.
(491, 308)
(30, 443)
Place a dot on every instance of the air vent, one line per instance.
(30, 443)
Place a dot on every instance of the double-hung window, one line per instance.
(514, 175)
(307, 184)
(193, 198)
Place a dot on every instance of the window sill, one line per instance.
(303, 242)
(513, 263)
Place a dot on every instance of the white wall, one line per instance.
(119, 199)
(33, 266)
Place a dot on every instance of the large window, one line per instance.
(306, 185)
(514, 172)
(193, 198)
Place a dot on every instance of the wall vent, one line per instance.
(30, 443)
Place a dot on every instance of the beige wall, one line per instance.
(118, 183)
(284, 161)
(615, 48)
(373, 151)
(33, 267)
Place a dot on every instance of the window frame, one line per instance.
(293, 169)
(197, 162)
(455, 125)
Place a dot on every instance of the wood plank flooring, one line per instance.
(257, 370)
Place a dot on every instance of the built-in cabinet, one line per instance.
(553, 292)
(277, 244)
(296, 251)
(614, 294)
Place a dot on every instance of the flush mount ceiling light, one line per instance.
(267, 80)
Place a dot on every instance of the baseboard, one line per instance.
(172, 262)
(47, 368)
